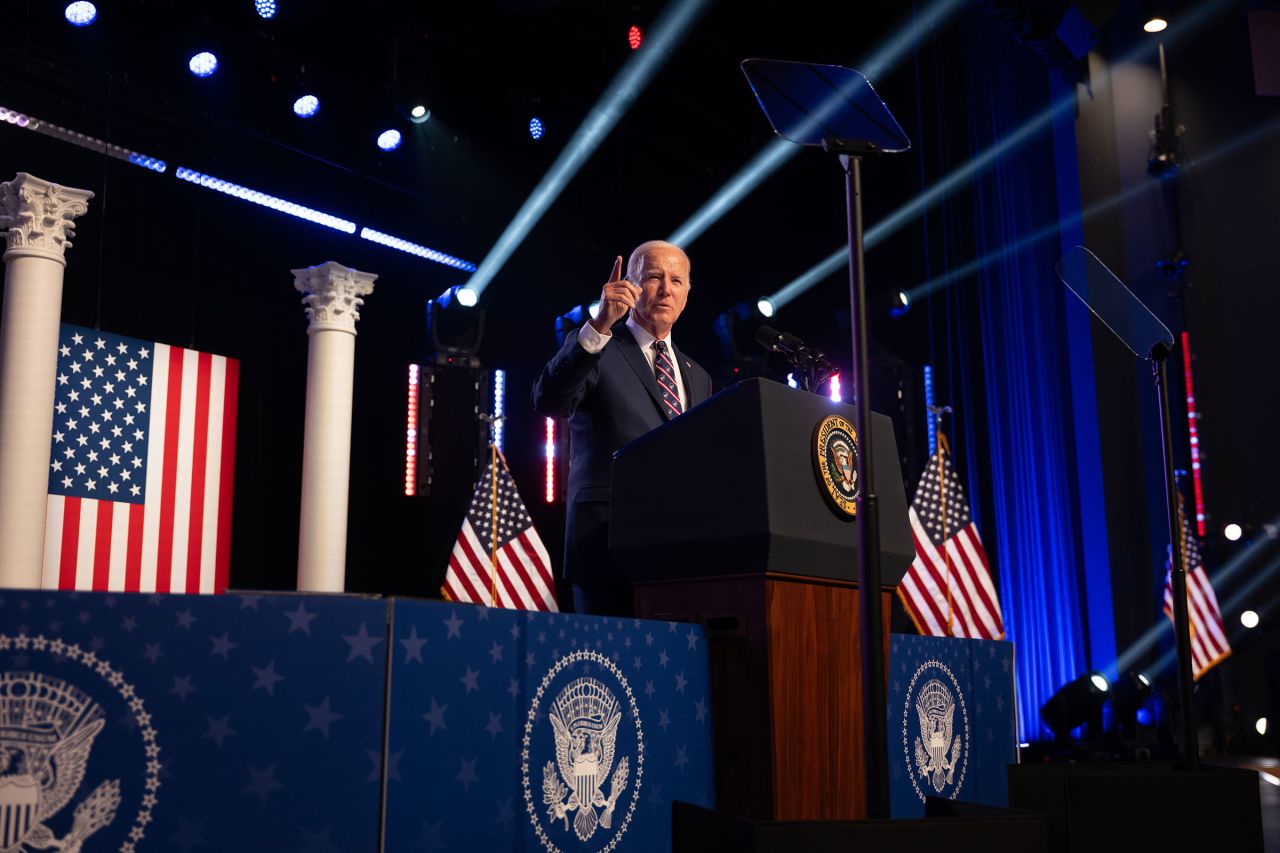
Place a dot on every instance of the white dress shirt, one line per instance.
(593, 342)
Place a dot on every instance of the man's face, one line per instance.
(664, 288)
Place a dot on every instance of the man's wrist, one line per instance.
(592, 339)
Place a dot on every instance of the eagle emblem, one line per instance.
(937, 753)
(47, 729)
(585, 719)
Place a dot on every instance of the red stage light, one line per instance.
(635, 37)
(550, 493)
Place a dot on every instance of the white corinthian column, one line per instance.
(332, 294)
(40, 220)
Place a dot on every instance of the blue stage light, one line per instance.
(931, 422)
(535, 127)
(292, 209)
(618, 96)
(82, 13)
(203, 64)
(421, 251)
(1145, 717)
(306, 106)
(266, 8)
(389, 140)
(146, 162)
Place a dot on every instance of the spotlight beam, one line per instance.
(962, 176)
(778, 151)
(618, 97)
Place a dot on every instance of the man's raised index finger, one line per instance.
(617, 270)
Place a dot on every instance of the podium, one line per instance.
(751, 547)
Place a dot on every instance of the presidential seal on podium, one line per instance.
(835, 459)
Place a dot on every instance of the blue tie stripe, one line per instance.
(664, 371)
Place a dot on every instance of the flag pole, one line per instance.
(493, 528)
(942, 508)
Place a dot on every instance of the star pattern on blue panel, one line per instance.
(188, 836)
(467, 775)
(361, 644)
(263, 782)
(682, 756)
(431, 840)
(219, 729)
(222, 646)
(664, 719)
(186, 619)
(692, 637)
(681, 681)
(182, 687)
(413, 646)
(495, 652)
(700, 710)
(129, 624)
(393, 765)
(494, 727)
(266, 678)
(435, 717)
(470, 680)
(153, 653)
(320, 841)
(300, 619)
(249, 602)
(663, 658)
(506, 813)
(454, 624)
(320, 717)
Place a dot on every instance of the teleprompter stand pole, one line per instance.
(1177, 564)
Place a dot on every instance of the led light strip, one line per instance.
(414, 249)
(278, 204)
(90, 143)
(551, 461)
(411, 436)
(928, 410)
(499, 409)
(1193, 434)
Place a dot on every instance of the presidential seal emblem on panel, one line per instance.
(935, 732)
(835, 459)
(583, 758)
(48, 730)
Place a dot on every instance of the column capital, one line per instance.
(40, 216)
(332, 295)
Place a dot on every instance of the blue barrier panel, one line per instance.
(532, 731)
(951, 721)
(190, 723)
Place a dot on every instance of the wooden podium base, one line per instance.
(786, 689)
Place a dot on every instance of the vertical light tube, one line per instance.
(1193, 434)
(411, 436)
(499, 406)
(930, 421)
(550, 492)
(835, 388)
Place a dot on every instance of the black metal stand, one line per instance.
(1178, 566)
(874, 723)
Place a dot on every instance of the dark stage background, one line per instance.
(1055, 428)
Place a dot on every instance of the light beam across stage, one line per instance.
(1029, 130)
(774, 155)
(619, 95)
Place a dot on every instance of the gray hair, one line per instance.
(634, 268)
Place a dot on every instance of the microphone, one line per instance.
(795, 350)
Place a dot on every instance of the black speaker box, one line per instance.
(1098, 808)
(948, 826)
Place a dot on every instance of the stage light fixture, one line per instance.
(419, 114)
(265, 8)
(454, 328)
(81, 140)
(901, 304)
(535, 127)
(1077, 702)
(1249, 619)
(306, 106)
(619, 94)
(82, 13)
(765, 306)
(203, 64)
(1155, 25)
(1261, 726)
(467, 297)
(1233, 532)
(389, 140)
(279, 204)
(635, 38)
(1128, 697)
(403, 245)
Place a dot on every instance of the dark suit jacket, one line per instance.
(610, 398)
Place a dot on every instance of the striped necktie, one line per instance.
(665, 372)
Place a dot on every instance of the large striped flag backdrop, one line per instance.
(1209, 645)
(499, 558)
(140, 474)
(948, 590)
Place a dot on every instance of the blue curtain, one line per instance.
(1010, 371)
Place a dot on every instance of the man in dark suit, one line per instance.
(615, 381)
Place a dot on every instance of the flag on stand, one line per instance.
(499, 559)
(948, 591)
(1209, 645)
(140, 473)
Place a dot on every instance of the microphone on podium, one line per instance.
(793, 349)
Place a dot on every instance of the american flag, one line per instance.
(523, 574)
(948, 591)
(140, 474)
(1209, 645)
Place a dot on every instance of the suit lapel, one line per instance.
(630, 350)
(694, 395)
